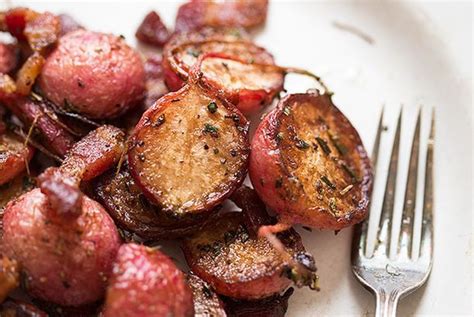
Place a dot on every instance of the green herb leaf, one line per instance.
(212, 107)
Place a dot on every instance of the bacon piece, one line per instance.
(152, 30)
(229, 13)
(88, 158)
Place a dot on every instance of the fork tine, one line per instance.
(384, 229)
(406, 230)
(426, 246)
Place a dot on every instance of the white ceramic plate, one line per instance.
(421, 54)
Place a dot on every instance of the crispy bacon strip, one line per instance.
(40, 31)
(51, 131)
(88, 158)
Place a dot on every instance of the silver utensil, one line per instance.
(390, 279)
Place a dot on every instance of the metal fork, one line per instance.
(390, 279)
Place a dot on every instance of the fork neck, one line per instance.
(386, 303)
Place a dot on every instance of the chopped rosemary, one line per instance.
(346, 189)
(302, 144)
(328, 182)
(212, 107)
(323, 144)
(340, 147)
(278, 183)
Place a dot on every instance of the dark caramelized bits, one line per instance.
(146, 283)
(206, 302)
(131, 211)
(230, 13)
(168, 159)
(236, 265)
(152, 30)
(324, 186)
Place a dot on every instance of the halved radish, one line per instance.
(309, 165)
(182, 51)
(189, 151)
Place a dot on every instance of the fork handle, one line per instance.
(386, 303)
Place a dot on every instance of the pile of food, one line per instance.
(106, 152)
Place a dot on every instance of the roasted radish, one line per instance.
(127, 205)
(14, 156)
(309, 165)
(182, 51)
(146, 283)
(65, 261)
(206, 302)
(95, 74)
(235, 264)
(189, 151)
(199, 13)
